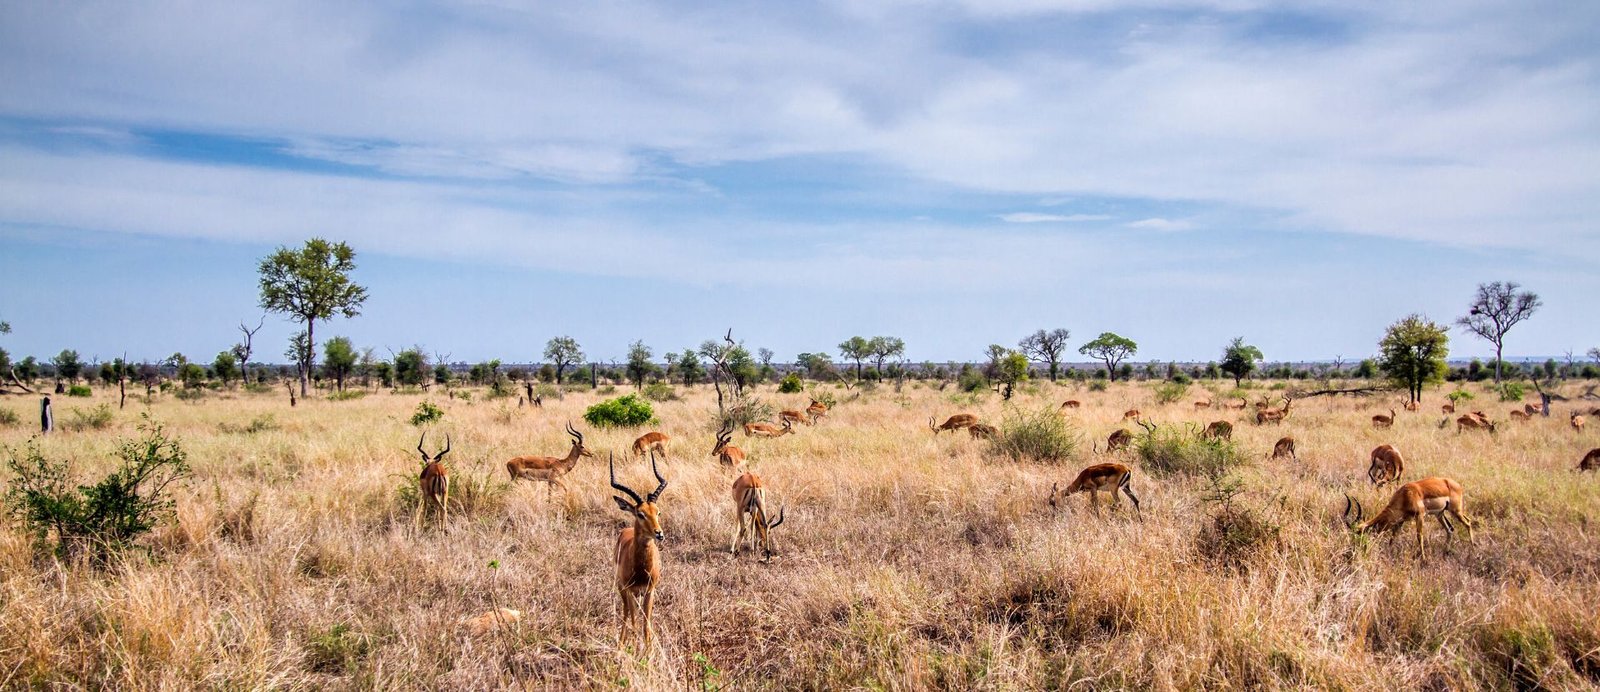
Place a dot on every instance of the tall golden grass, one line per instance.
(908, 561)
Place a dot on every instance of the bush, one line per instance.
(752, 410)
(791, 384)
(1460, 395)
(1168, 450)
(79, 390)
(347, 395)
(1168, 392)
(972, 381)
(105, 517)
(97, 418)
(337, 650)
(826, 397)
(660, 391)
(426, 413)
(606, 389)
(190, 394)
(625, 411)
(547, 391)
(1098, 385)
(1041, 435)
(9, 417)
(261, 423)
(1511, 391)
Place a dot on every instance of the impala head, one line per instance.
(577, 441)
(437, 457)
(1353, 522)
(724, 435)
(643, 510)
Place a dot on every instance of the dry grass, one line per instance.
(907, 561)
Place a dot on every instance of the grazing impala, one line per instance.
(638, 556)
(1577, 420)
(750, 498)
(1531, 410)
(549, 469)
(1242, 403)
(1591, 461)
(1472, 421)
(1119, 439)
(1414, 501)
(1517, 415)
(1386, 466)
(435, 481)
(767, 429)
(793, 416)
(1218, 430)
(1068, 405)
(816, 410)
(725, 453)
(1096, 479)
(1130, 413)
(651, 441)
(1448, 409)
(1284, 448)
(983, 430)
(956, 422)
(1382, 421)
(1202, 404)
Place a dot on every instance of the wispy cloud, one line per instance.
(1033, 217)
(1159, 224)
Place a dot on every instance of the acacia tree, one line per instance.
(1497, 308)
(857, 349)
(67, 365)
(1239, 359)
(563, 351)
(1046, 347)
(1413, 353)
(1111, 349)
(882, 348)
(310, 284)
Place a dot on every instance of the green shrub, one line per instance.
(1460, 395)
(79, 390)
(606, 389)
(826, 397)
(972, 381)
(190, 394)
(623, 412)
(105, 517)
(1167, 450)
(791, 384)
(660, 391)
(426, 413)
(1168, 392)
(9, 417)
(347, 395)
(1181, 378)
(337, 650)
(97, 418)
(547, 391)
(1511, 391)
(1039, 435)
(1098, 385)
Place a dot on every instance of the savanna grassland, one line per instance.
(907, 561)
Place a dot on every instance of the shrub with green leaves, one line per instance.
(791, 384)
(79, 390)
(1166, 450)
(105, 517)
(347, 395)
(427, 413)
(1512, 391)
(9, 417)
(97, 418)
(625, 411)
(1098, 385)
(1169, 392)
(660, 391)
(1038, 435)
(1460, 395)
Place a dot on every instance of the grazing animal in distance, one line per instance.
(983, 430)
(750, 500)
(1284, 448)
(1576, 421)
(1118, 439)
(1387, 465)
(651, 441)
(956, 422)
(434, 481)
(1130, 413)
(1202, 404)
(1413, 406)
(1517, 415)
(1448, 409)
(1382, 421)
(549, 469)
(1415, 501)
(1109, 478)
(1275, 417)
(1591, 461)
(768, 429)
(1242, 403)
(793, 416)
(1531, 410)
(725, 453)
(1221, 429)
(1069, 404)
(1470, 421)
(638, 553)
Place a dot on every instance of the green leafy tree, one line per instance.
(299, 352)
(818, 366)
(410, 367)
(689, 367)
(639, 365)
(225, 367)
(1046, 347)
(310, 284)
(1012, 369)
(1497, 308)
(857, 349)
(68, 366)
(1239, 359)
(883, 348)
(338, 360)
(1413, 353)
(564, 352)
(1111, 349)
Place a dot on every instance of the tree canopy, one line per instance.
(1239, 359)
(1111, 349)
(1497, 308)
(309, 284)
(1046, 347)
(564, 352)
(1413, 353)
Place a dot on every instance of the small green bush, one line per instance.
(347, 395)
(1167, 451)
(626, 411)
(426, 413)
(1039, 435)
(606, 389)
(190, 394)
(1460, 395)
(1511, 391)
(547, 391)
(826, 397)
(972, 381)
(103, 518)
(791, 384)
(1169, 392)
(337, 650)
(1098, 385)
(97, 418)
(660, 391)
(79, 390)
(9, 417)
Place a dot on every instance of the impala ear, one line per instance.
(624, 505)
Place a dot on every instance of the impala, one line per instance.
(1414, 501)
(1119, 439)
(1447, 409)
(816, 410)
(956, 422)
(793, 416)
(1591, 461)
(1382, 421)
(1274, 416)
(1284, 448)
(1096, 479)
(651, 441)
(767, 429)
(1202, 404)
(1519, 415)
(638, 556)
(983, 430)
(1531, 410)
(1130, 413)
(1471, 421)
(1387, 465)
(1242, 403)
(435, 481)
(1218, 430)
(549, 469)
(1069, 404)
(726, 453)
(750, 498)
(1577, 420)
(1413, 406)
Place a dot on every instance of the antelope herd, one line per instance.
(638, 558)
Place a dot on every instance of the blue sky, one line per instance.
(954, 173)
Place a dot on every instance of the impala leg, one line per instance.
(1094, 501)
(649, 602)
(1422, 552)
(1463, 519)
(626, 621)
(738, 533)
(1127, 489)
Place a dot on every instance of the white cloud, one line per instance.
(1159, 224)
(1033, 217)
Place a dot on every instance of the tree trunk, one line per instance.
(311, 355)
(1053, 369)
(1497, 359)
(1111, 371)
